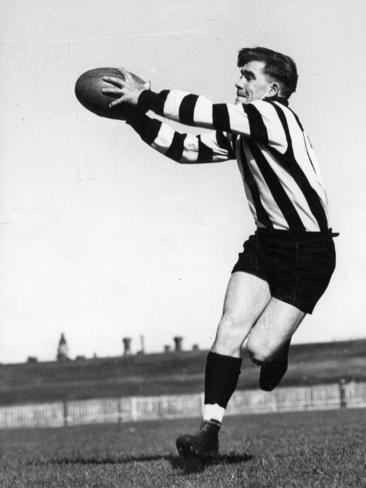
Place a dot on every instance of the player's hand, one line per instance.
(126, 89)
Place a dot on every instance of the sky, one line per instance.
(101, 237)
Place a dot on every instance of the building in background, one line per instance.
(127, 346)
(178, 341)
(62, 349)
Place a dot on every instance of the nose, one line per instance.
(240, 83)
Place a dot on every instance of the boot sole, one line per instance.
(188, 450)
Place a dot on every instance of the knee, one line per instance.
(230, 335)
(259, 351)
(230, 327)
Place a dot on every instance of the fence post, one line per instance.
(119, 410)
(342, 393)
(65, 413)
(133, 408)
(202, 403)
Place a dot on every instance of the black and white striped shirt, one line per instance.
(281, 176)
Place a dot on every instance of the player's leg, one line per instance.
(246, 298)
(269, 340)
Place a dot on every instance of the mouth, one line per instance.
(240, 98)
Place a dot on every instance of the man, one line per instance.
(286, 265)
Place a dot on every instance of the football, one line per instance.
(88, 90)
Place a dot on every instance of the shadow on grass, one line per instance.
(189, 465)
(193, 465)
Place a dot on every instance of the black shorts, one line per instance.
(297, 266)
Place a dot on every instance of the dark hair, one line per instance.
(280, 67)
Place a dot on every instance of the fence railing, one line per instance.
(128, 409)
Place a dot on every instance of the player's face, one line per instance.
(254, 84)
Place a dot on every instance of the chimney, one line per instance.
(178, 343)
(126, 346)
(142, 344)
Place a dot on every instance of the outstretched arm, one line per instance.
(177, 105)
(211, 147)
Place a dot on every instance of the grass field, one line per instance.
(307, 449)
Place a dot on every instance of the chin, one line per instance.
(241, 100)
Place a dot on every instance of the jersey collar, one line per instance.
(281, 100)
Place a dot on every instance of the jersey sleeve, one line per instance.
(258, 120)
(210, 147)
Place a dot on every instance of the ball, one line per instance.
(88, 90)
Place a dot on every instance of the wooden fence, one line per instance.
(128, 409)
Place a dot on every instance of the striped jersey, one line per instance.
(280, 172)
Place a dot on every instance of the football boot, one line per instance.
(203, 445)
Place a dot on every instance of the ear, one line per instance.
(275, 89)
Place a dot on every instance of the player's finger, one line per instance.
(113, 80)
(116, 102)
(124, 72)
(111, 90)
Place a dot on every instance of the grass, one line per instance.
(307, 449)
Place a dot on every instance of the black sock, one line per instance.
(221, 377)
(282, 354)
